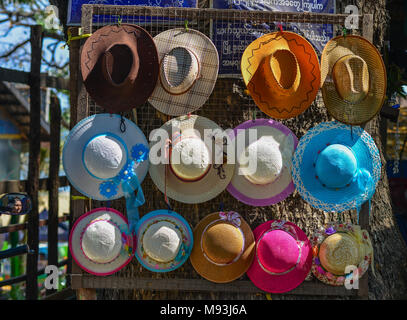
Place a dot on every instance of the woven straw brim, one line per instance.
(100, 269)
(213, 272)
(264, 195)
(304, 175)
(286, 282)
(211, 185)
(341, 110)
(179, 223)
(81, 134)
(198, 94)
(280, 107)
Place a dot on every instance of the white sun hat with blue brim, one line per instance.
(336, 167)
(164, 241)
(105, 157)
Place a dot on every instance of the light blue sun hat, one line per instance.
(164, 241)
(336, 167)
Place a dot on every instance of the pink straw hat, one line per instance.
(283, 257)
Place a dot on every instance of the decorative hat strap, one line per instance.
(133, 201)
(182, 252)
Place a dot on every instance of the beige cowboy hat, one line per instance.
(190, 167)
(353, 79)
(189, 65)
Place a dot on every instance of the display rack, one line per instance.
(155, 20)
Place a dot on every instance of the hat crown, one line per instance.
(190, 158)
(162, 241)
(179, 70)
(265, 153)
(101, 241)
(338, 251)
(285, 69)
(222, 242)
(278, 251)
(118, 62)
(351, 77)
(104, 156)
(336, 166)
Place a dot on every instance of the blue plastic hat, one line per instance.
(336, 167)
(164, 241)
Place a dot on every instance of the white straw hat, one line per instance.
(100, 241)
(165, 241)
(191, 172)
(98, 156)
(270, 181)
(189, 66)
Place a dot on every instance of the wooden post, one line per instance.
(79, 110)
(53, 180)
(34, 161)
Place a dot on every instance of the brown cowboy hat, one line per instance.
(120, 67)
(282, 74)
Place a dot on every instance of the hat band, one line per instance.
(233, 218)
(190, 86)
(126, 240)
(281, 225)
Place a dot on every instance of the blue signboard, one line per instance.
(232, 38)
(75, 8)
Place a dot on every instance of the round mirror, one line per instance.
(15, 203)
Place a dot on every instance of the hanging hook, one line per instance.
(344, 32)
(186, 25)
(122, 124)
(119, 21)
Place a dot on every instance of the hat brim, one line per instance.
(81, 134)
(338, 108)
(288, 106)
(99, 269)
(264, 195)
(216, 273)
(323, 275)
(119, 98)
(303, 172)
(207, 188)
(180, 223)
(198, 94)
(286, 282)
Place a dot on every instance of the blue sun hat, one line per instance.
(164, 241)
(336, 167)
(105, 157)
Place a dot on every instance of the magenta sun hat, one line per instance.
(101, 242)
(272, 153)
(283, 257)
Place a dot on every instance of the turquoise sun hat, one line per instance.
(336, 167)
(164, 241)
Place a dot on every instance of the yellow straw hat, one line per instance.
(353, 79)
(281, 71)
(337, 246)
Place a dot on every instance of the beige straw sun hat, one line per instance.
(353, 81)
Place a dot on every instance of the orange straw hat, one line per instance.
(353, 79)
(281, 71)
(224, 247)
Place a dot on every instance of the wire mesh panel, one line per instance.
(229, 105)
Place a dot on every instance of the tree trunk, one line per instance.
(229, 106)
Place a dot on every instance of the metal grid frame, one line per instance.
(94, 16)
